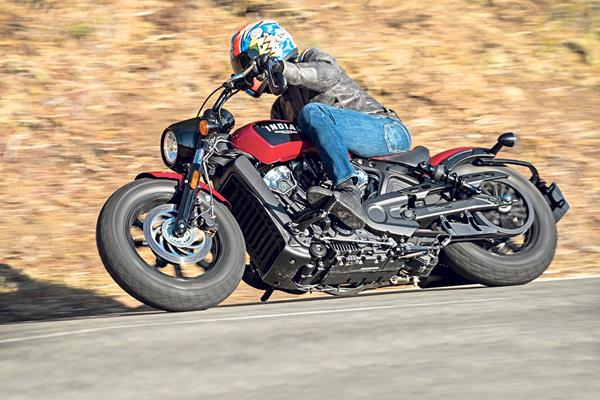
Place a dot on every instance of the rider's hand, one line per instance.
(265, 61)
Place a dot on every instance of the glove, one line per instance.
(265, 61)
(271, 69)
(243, 84)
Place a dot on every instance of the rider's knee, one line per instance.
(310, 115)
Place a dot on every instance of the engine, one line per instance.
(340, 256)
(290, 181)
(280, 180)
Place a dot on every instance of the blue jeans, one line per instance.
(334, 131)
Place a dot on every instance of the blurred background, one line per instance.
(86, 88)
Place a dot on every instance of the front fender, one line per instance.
(175, 176)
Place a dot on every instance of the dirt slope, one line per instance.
(87, 86)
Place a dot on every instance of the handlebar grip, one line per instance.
(249, 70)
(243, 84)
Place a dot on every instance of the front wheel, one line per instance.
(518, 259)
(194, 272)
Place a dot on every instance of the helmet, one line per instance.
(256, 39)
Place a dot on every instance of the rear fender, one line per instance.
(459, 156)
(174, 176)
(483, 157)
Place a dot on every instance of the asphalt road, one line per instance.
(539, 341)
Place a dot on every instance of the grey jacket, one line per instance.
(317, 78)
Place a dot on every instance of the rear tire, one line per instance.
(147, 284)
(491, 269)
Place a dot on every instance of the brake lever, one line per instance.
(239, 76)
(233, 78)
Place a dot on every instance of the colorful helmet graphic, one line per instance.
(256, 39)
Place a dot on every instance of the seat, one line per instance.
(410, 158)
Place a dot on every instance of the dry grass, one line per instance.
(86, 88)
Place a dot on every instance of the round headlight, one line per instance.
(169, 147)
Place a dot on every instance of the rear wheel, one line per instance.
(194, 272)
(515, 260)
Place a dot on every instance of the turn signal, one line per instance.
(203, 128)
(195, 179)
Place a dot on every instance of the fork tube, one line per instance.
(190, 188)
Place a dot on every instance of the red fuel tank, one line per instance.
(271, 141)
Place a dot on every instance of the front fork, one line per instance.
(188, 196)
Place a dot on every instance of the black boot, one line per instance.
(347, 204)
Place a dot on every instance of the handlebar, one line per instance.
(231, 86)
(242, 75)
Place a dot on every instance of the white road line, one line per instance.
(548, 278)
(248, 317)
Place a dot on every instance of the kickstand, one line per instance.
(266, 295)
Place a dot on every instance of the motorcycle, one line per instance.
(233, 207)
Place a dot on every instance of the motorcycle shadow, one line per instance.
(23, 298)
(441, 281)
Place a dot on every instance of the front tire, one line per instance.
(480, 265)
(146, 282)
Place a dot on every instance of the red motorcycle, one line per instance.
(178, 240)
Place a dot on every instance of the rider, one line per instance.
(330, 108)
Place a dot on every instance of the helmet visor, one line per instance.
(240, 63)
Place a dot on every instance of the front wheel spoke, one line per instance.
(207, 261)
(178, 271)
(138, 224)
(180, 251)
(170, 248)
(195, 246)
(140, 243)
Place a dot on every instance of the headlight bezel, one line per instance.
(169, 155)
(187, 136)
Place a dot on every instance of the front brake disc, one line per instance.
(190, 248)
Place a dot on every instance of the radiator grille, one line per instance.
(264, 243)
